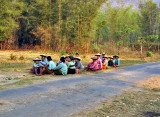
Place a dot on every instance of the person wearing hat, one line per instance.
(102, 57)
(110, 62)
(51, 65)
(37, 69)
(61, 69)
(99, 62)
(93, 66)
(43, 61)
(78, 64)
(105, 62)
(117, 61)
(44, 56)
(71, 65)
(114, 60)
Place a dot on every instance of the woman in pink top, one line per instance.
(99, 62)
(93, 66)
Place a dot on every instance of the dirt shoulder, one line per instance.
(142, 103)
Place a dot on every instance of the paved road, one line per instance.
(63, 98)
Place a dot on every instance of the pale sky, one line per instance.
(134, 2)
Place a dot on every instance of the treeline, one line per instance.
(78, 25)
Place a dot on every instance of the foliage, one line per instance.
(13, 57)
(21, 57)
(149, 54)
(9, 12)
(63, 53)
(74, 25)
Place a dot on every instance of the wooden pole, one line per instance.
(141, 49)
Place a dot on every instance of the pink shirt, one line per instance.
(99, 62)
(93, 66)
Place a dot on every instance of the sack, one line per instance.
(77, 71)
(31, 70)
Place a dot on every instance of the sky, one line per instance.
(133, 2)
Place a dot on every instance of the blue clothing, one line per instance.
(42, 63)
(114, 61)
(102, 58)
(51, 65)
(45, 60)
(63, 68)
(79, 64)
(117, 62)
(36, 65)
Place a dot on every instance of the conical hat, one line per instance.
(37, 59)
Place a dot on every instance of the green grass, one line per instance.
(23, 82)
(126, 63)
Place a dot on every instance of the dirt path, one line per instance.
(63, 98)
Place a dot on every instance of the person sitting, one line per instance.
(37, 69)
(43, 61)
(59, 61)
(78, 64)
(67, 60)
(105, 62)
(117, 61)
(61, 69)
(51, 65)
(71, 65)
(114, 60)
(110, 62)
(99, 61)
(77, 54)
(102, 57)
(93, 66)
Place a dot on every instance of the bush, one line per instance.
(13, 57)
(62, 53)
(84, 56)
(149, 54)
(21, 58)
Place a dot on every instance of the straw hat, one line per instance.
(94, 58)
(63, 56)
(37, 59)
(77, 58)
(114, 56)
(43, 55)
(105, 57)
(98, 54)
(103, 53)
(110, 57)
(117, 56)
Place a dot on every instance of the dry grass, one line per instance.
(20, 68)
(153, 83)
(144, 103)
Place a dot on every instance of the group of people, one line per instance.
(72, 65)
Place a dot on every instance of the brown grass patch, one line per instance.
(153, 82)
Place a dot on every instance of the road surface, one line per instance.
(63, 98)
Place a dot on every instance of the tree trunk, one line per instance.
(141, 49)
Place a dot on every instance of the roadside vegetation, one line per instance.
(17, 71)
(142, 103)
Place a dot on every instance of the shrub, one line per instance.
(63, 52)
(21, 58)
(13, 57)
(149, 54)
(84, 56)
